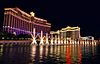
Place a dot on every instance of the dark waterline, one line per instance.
(52, 54)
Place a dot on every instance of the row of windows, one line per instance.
(73, 34)
(13, 30)
(15, 22)
(25, 17)
(18, 14)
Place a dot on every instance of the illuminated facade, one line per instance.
(67, 33)
(19, 22)
(87, 38)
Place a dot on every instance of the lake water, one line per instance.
(52, 54)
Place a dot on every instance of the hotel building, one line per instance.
(19, 22)
(67, 33)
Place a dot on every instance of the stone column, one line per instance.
(9, 19)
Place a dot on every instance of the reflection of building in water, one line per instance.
(68, 32)
(73, 54)
(33, 52)
(68, 55)
(41, 51)
(1, 50)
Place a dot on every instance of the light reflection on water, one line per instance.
(50, 54)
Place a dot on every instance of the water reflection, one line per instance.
(73, 54)
(14, 55)
(50, 54)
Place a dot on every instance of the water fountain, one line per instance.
(67, 41)
(64, 40)
(41, 38)
(47, 42)
(58, 39)
(33, 37)
(55, 40)
(51, 39)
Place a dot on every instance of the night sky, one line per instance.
(62, 13)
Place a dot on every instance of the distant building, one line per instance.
(68, 32)
(87, 38)
(19, 22)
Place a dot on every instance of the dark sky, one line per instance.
(62, 13)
